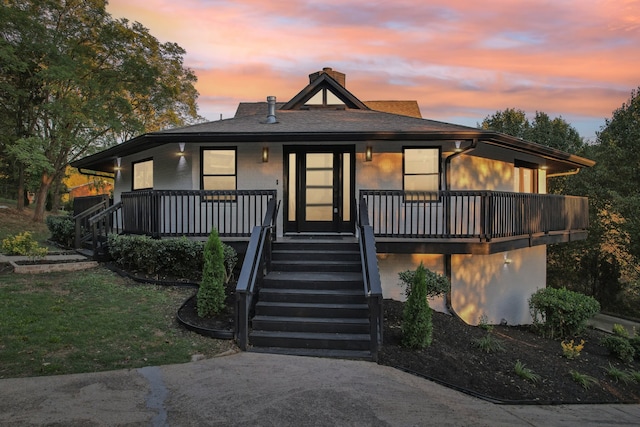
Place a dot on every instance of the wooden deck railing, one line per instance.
(482, 215)
(174, 213)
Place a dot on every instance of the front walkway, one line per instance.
(266, 389)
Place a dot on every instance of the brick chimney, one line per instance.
(336, 75)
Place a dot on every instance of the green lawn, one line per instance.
(87, 321)
(91, 321)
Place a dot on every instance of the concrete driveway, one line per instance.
(253, 389)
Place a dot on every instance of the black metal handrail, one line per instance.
(371, 277)
(106, 222)
(82, 227)
(257, 263)
(193, 213)
(482, 215)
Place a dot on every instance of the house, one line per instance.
(469, 203)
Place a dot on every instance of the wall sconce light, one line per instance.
(117, 168)
(458, 149)
(265, 154)
(181, 153)
(507, 260)
(368, 153)
(181, 146)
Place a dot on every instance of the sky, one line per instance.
(462, 60)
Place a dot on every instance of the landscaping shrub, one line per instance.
(560, 313)
(417, 327)
(211, 294)
(23, 244)
(619, 347)
(62, 229)
(176, 257)
(437, 284)
(230, 261)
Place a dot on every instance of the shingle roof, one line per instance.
(319, 120)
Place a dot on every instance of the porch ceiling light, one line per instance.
(368, 154)
(265, 154)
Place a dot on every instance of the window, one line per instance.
(421, 172)
(143, 175)
(218, 169)
(526, 177)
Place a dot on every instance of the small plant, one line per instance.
(417, 327)
(618, 374)
(559, 313)
(571, 350)
(483, 324)
(489, 344)
(230, 261)
(584, 380)
(620, 331)
(211, 294)
(619, 347)
(635, 376)
(23, 244)
(525, 373)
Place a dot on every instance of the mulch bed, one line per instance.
(453, 360)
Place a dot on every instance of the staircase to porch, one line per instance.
(313, 302)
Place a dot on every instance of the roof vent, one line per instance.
(271, 117)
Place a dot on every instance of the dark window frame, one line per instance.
(235, 174)
(133, 174)
(433, 198)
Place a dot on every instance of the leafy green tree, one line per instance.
(608, 260)
(211, 294)
(73, 80)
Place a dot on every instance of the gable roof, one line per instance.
(326, 82)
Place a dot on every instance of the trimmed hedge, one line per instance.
(177, 257)
(561, 313)
(62, 229)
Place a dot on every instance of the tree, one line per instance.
(417, 326)
(609, 258)
(73, 80)
(211, 294)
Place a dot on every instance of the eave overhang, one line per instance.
(104, 160)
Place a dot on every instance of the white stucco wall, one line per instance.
(392, 264)
(497, 286)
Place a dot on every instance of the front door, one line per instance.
(320, 187)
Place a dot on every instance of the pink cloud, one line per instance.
(457, 58)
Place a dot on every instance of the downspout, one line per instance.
(447, 187)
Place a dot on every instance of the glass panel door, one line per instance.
(320, 187)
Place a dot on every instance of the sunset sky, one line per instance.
(460, 59)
